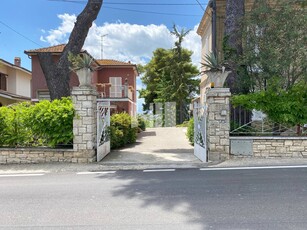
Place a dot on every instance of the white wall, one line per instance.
(18, 81)
(206, 41)
(3, 68)
(11, 80)
(23, 83)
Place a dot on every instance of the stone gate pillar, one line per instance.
(218, 123)
(85, 123)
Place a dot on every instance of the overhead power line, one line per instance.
(139, 4)
(152, 12)
(131, 3)
(20, 34)
(200, 5)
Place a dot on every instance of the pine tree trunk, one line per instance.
(57, 74)
(57, 77)
(234, 13)
(235, 10)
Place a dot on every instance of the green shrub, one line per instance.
(183, 124)
(44, 124)
(190, 132)
(14, 131)
(3, 124)
(141, 123)
(121, 130)
(52, 121)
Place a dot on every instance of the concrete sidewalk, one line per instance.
(250, 162)
(94, 167)
(155, 148)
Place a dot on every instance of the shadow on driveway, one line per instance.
(156, 145)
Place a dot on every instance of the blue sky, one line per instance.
(133, 28)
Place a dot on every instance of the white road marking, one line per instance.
(159, 170)
(89, 173)
(255, 167)
(21, 175)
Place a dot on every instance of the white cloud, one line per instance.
(123, 41)
(127, 42)
(193, 42)
(60, 35)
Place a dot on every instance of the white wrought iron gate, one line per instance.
(200, 136)
(103, 122)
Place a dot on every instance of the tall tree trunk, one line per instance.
(235, 10)
(181, 112)
(57, 77)
(57, 74)
(179, 72)
(233, 39)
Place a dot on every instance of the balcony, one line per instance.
(116, 92)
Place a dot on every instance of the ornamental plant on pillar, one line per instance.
(82, 65)
(215, 74)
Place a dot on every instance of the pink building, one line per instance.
(114, 80)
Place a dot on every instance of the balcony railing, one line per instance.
(119, 92)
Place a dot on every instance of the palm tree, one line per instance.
(179, 74)
(180, 36)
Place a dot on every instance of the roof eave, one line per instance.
(15, 66)
(205, 19)
(12, 96)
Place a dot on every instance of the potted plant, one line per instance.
(215, 74)
(81, 64)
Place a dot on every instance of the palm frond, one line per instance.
(212, 62)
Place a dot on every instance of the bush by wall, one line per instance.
(43, 124)
(121, 130)
(141, 123)
(183, 124)
(190, 132)
(53, 121)
(14, 131)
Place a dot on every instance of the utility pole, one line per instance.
(101, 45)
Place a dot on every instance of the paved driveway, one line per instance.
(156, 146)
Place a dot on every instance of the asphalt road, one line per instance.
(170, 200)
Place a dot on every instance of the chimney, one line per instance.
(17, 61)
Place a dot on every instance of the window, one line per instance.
(43, 95)
(3, 82)
(116, 87)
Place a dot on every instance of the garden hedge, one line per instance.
(122, 131)
(42, 124)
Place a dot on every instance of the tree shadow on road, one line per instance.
(219, 199)
(172, 192)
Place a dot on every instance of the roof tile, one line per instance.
(52, 49)
(60, 48)
(111, 62)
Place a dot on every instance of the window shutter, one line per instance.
(116, 87)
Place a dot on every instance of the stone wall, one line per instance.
(280, 147)
(85, 122)
(85, 133)
(218, 124)
(41, 155)
(272, 147)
